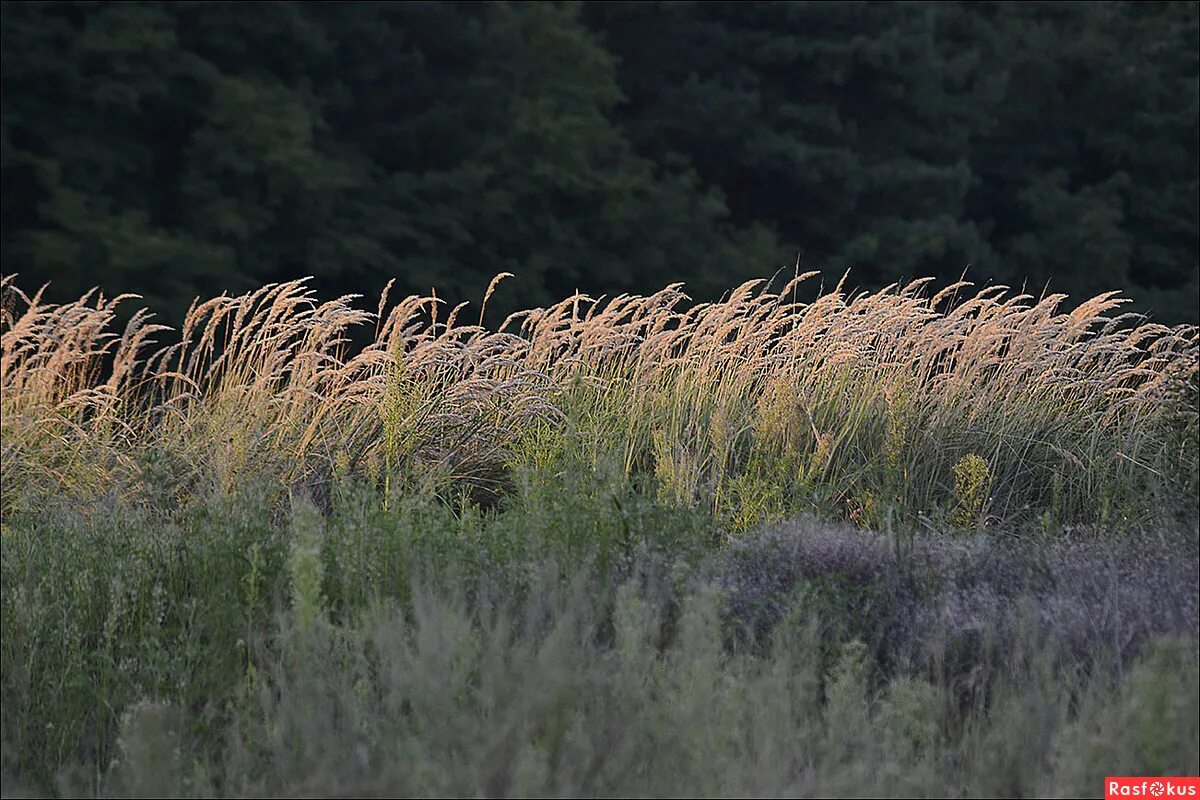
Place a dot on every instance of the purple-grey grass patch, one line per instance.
(1089, 595)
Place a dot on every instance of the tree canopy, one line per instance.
(186, 148)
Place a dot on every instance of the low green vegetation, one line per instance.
(580, 640)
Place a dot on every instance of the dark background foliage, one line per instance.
(185, 148)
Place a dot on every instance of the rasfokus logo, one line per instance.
(1166, 786)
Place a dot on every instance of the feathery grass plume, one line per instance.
(857, 404)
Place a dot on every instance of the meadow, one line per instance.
(802, 541)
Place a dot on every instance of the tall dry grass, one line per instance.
(944, 407)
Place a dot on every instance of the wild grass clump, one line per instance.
(944, 409)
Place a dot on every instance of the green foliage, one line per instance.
(578, 685)
(1089, 170)
(304, 563)
(972, 481)
(1132, 729)
(1046, 143)
(105, 605)
(846, 129)
(171, 148)
(155, 647)
(567, 518)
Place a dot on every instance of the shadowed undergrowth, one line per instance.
(237, 647)
(450, 701)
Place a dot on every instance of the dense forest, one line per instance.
(177, 149)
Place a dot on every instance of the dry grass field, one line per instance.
(984, 406)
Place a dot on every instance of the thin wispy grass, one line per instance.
(945, 408)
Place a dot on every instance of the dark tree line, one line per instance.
(181, 149)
